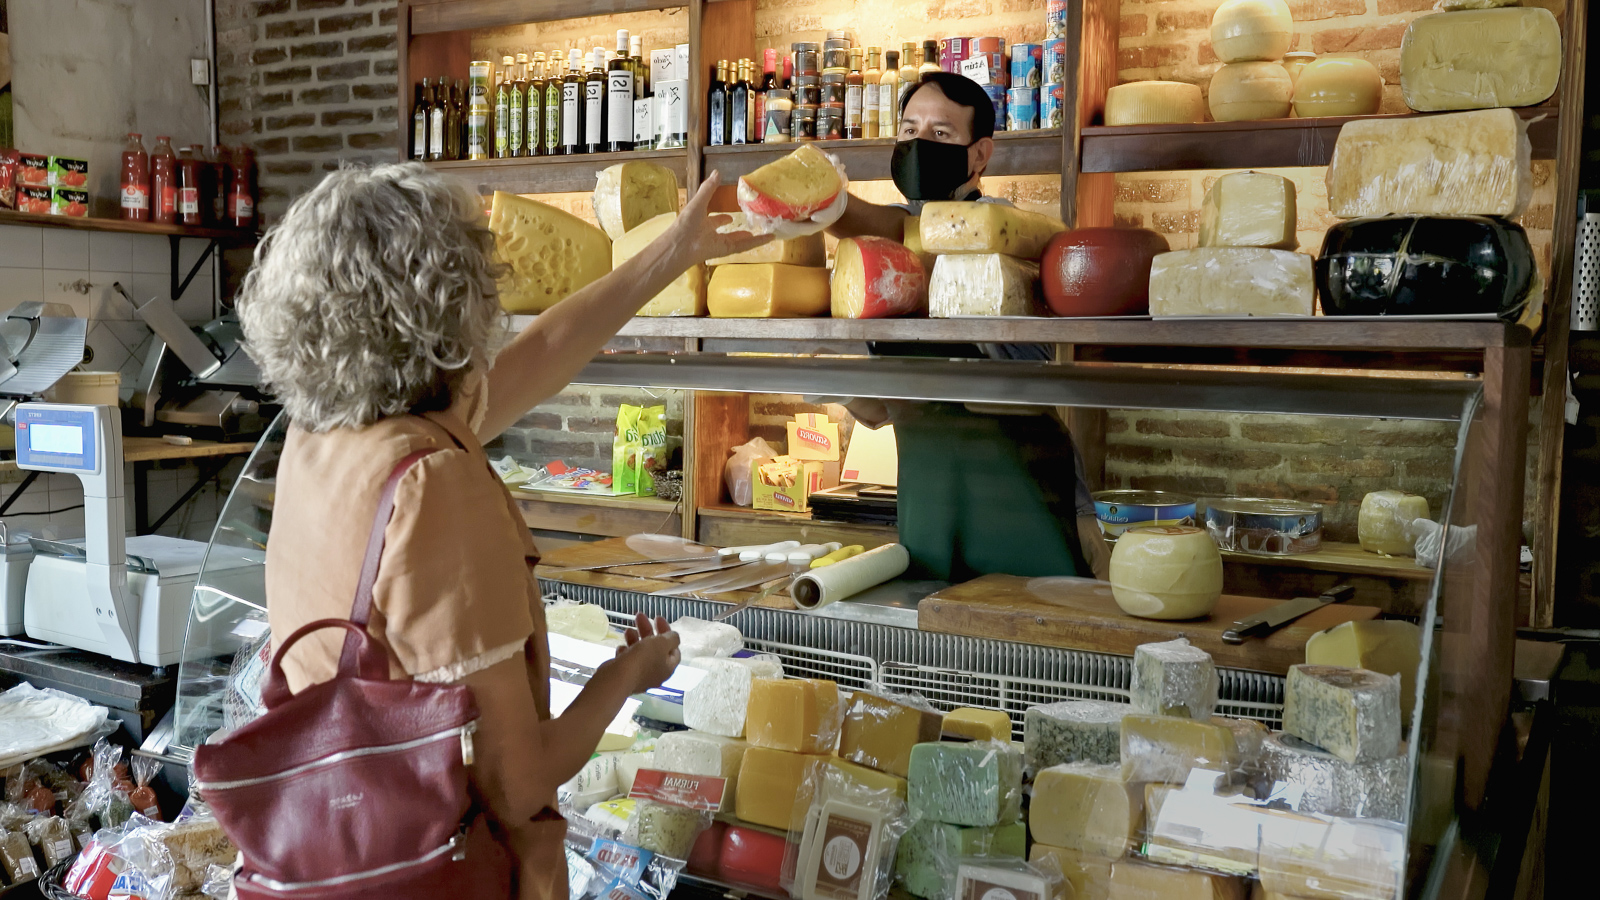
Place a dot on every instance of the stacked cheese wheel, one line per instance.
(1250, 37)
(986, 257)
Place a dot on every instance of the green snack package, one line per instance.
(652, 448)
(625, 447)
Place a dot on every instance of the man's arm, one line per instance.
(863, 219)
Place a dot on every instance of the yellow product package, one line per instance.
(638, 450)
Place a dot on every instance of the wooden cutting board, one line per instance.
(643, 579)
(1081, 615)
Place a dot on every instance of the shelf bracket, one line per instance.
(178, 287)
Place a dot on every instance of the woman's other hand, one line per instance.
(651, 653)
(695, 237)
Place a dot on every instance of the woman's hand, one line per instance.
(694, 235)
(651, 653)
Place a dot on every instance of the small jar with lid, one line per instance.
(836, 58)
(1296, 60)
(807, 58)
(803, 122)
(833, 84)
(807, 91)
(779, 112)
(830, 123)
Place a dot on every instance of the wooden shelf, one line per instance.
(1017, 153)
(609, 516)
(553, 174)
(461, 15)
(12, 217)
(648, 504)
(1265, 144)
(732, 526)
(1336, 557)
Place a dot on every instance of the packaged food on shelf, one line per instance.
(1052, 96)
(600, 865)
(33, 170)
(1249, 209)
(1087, 807)
(1100, 271)
(686, 295)
(1370, 789)
(1089, 875)
(1027, 66)
(697, 753)
(66, 201)
(969, 724)
(1264, 526)
(1022, 108)
(801, 251)
(982, 284)
(671, 812)
(630, 194)
(1055, 19)
(1203, 823)
(1383, 524)
(1462, 164)
(770, 786)
(613, 815)
(1388, 646)
(806, 186)
(767, 291)
(1245, 30)
(958, 226)
(1167, 748)
(35, 200)
(638, 450)
(550, 253)
(977, 783)
(1325, 857)
(1119, 510)
(1055, 62)
(875, 278)
(1155, 103)
(1231, 281)
(1166, 572)
(16, 858)
(842, 847)
(1337, 86)
(980, 877)
(800, 715)
(9, 161)
(813, 436)
(880, 730)
(1073, 731)
(930, 852)
(1480, 59)
(1352, 713)
(51, 839)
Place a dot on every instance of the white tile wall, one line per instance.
(54, 502)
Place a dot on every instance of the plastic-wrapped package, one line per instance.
(705, 857)
(1428, 265)
(196, 845)
(985, 877)
(801, 715)
(601, 866)
(1086, 806)
(1135, 880)
(1384, 522)
(671, 810)
(870, 778)
(1371, 789)
(800, 194)
(612, 815)
(1089, 875)
(1174, 678)
(959, 226)
(52, 838)
(1463, 164)
(925, 865)
(698, 638)
(752, 858)
(1481, 59)
(1352, 713)
(1204, 825)
(696, 753)
(1249, 209)
(1073, 731)
(628, 765)
(1231, 281)
(719, 702)
(16, 858)
(970, 724)
(876, 278)
(983, 284)
(579, 621)
(1248, 737)
(736, 472)
(978, 783)
(770, 786)
(595, 781)
(842, 847)
(1325, 858)
(1166, 572)
(1167, 748)
(143, 797)
(879, 729)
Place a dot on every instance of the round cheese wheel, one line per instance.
(1166, 572)
(1247, 91)
(1100, 271)
(1294, 62)
(874, 278)
(1338, 86)
(1244, 30)
(1384, 523)
(1155, 103)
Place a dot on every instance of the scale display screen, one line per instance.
(58, 439)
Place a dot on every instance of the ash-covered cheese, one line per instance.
(1174, 678)
(1087, 807)
(1352, 713)
(978, 783)
(1371, 789)
(1073, 731)
(697, 753)
(956, 226)
(982, 284)
(926, 860)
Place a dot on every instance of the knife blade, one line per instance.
(735, 579)
(777, 584)
(1273, 618)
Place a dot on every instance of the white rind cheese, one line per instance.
(696, 753)
(717, 704)
(1353, 714)
(1249, 209)
(1245, 30)
(1073, 731)
(1480, 59)
(1155, 103)
(1247, 91)
(1370, 789)
(1174, 678)
(550, 253)
(1231, 281)
(629, 194)
(1465, 164)
(983, 284)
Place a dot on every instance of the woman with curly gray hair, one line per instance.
(370, 310)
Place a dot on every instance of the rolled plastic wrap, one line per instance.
(977, 783)
(843, 845)
(1371, 789)
(1384, 523)
(1073, 731)
(880, 730)
(1482, 59)
(1428, 265)
(1174, 678)
(1166, 572)
(1463, 164)
(821, 586)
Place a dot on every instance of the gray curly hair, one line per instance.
(372, 297)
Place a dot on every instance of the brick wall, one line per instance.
(577, 426)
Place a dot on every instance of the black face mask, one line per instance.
(928, 170)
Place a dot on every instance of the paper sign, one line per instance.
(976, 68)
(690, 791)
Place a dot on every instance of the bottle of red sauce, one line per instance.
(242, 191)
(222, 178)
(207, 174)
(163, 182)
(189, 188)
(135, 180)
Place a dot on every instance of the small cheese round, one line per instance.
(1155, 103)
(1244, 30)
(1384, 523)
(1166, 572)
(1295, 61)
(1247, 91)
(1338, 86)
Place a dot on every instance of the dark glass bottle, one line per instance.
(717, 107)
(619, 97)
(419, 121)
(739, 106)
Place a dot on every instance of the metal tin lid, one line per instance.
(806, 47)
(1143, 498)
(1263, 506)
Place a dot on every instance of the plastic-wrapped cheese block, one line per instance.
(1453, 5)
(752, 858)
(1166, 572)
(1389, 646)
(976, 724)
(704, 858)
(802, 251)
(879, 731)
(1231, 281)
(1338, 86)
(875, 278)
(1332, 859)
(1100, 271)
(1370, 789)
(796, 714)
(1166, 748)
(1089, 875)
(770, 782)
(1464, 164)
(1073, 731)
(1249, 209)
(1481, 59)
(793, 187)
(978, 783)
(958, 226)
(595, 781)
(871, 779)
(550, 253)
(719, 702)
(1244, 30)
(982, 284)
(698, 637)
(1352, 713)
(629, 194)
(1384, 523)
(579, 621)
(686, 295)
(1174, 678)
(1087, 807)
(695, 753)
(1006, 877)
(1155, 103)
(1247, 91)
(926, 860)
(1248, 737)
(767, 291)
(669, 830)
(1133, 880)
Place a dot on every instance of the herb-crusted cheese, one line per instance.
(1073, 731)
(966, 784)
(1174, 678)
(1353, 714)
(982, 284)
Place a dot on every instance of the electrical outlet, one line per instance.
(199, 71)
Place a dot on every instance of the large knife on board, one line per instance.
(1264, 623)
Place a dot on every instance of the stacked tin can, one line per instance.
(1055, 65)
(807, 89)
(993, 50)
(1022, 99)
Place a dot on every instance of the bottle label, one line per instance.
(436, 137)
(169, 200)
(594, 125)
(500, 137)
(135, 196)
(419, 137)
(189, 201)
(741, 121)
(644, 123)
(718, 118)
(535, 121)
(888, 111)
(478, 134)
(619, 115)
(244, 208)
(514, 125)
(852, 105)
(552, 125)
(571, 106)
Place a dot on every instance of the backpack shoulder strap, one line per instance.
(361, 609)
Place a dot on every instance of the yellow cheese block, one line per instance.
(1338, 86)
(769, 787)
(796, 714)
(1089, 875)
(629, 194)
(870, 778)
(958, 226)
(793, 187)
(1246, 91)
(805, 251)
(1389, 646)
(1165, 748)
(1249, 209)
(1132, 880)
(1342, 859)
(767, 291)
(1155, 103)
(550, 253)
(1480, 59)
(1243, 30)
(1383, 524)
(911, 236)
(879, 732)
(1087, 807)
(977, 724)
(686, 295)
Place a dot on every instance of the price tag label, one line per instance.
(976, 68)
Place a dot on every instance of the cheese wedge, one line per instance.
(1352, 713)
(972, 227)
(686, 295)
(983, 284)
(874, 278)
(1387, 646)
(1480, 59)
(794, 187)
(631, 194)
(767, 291)
(551, 253)
(805, 251)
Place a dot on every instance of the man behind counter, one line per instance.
(996, 489)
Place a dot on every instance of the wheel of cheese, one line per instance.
(1482, 59)
(1338, 86)
(1247, 91)
(1100, 271)
(1245, 30)
(1166, 573)
(1155, 103)
(875, 278)
(1384, 523)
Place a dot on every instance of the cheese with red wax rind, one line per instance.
(703, 859)
(876, 278)
(752, 858)
(767, 291)
(794, 187)
(1100, 271)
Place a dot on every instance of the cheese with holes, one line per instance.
(1463, 164)
(770, 782)
(870, 779)
(696, 753)
(718, 702)
(875, 278)
(983, 284)
(767, 291)
(1231, 281)
(1338, 86)
(1244, 30)
(1246, 91)
(630, 194)
(911, 236)
(1133, 880)
(1174, 678)
(1087, 807)
(929, 852)
(1372, 789)
(1384, 523)
(959, 226)
(803, 251)
(1249, 209)
(1480, 59)
(686, 295)
(1316, 858)
(550, 253)
(796, 714)
(1089, 875)
(1166, 571)
(979, 783)
(1166, 748)
(794, 187)
(879, 732)
(1389, 646)
(977, 724)
(1352, 713)
(1155, 103)
(1073, 731)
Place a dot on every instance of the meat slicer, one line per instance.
(196, 379)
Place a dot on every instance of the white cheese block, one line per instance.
(1352, 713)
(632, 193)
(971, 227)
(1231, 281)
(628, 766)
(686, 295)
(1249, 209)
(1166, 572)
(1247, 91)
(698, 637)
(695, 753)
(803, 251)
(550, 253)
(1390, 646)
(717, 704)
(1375, 789)
(1174, 678)
(983, 284)
(1073, 731)
(1244, 30)
(1384, 523)
(1480, 59)
(1465, 164)
(1338, 86)
(1155, 103)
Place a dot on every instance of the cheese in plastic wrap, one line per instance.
(978, 783)
(1383, 524)
(1073, 731)
(550, 253)
(842, 846)
(1352, 713)
(1480, 59)
(1174, 678)
(1249, 209)
(1167, 748)
(800, 715)
(1462, 164)
(1370, 789)
(1231, 281)
(1200, 824)
(1325, 858)
(579, 621)
(983, 284)
(1016, 878)
(954, 226)
(930, 852)
(1087, 807)
(879, 730)
(696, 753)
(717, 704)
(698, 638)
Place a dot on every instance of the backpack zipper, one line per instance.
(463, 731)
(455, 846)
